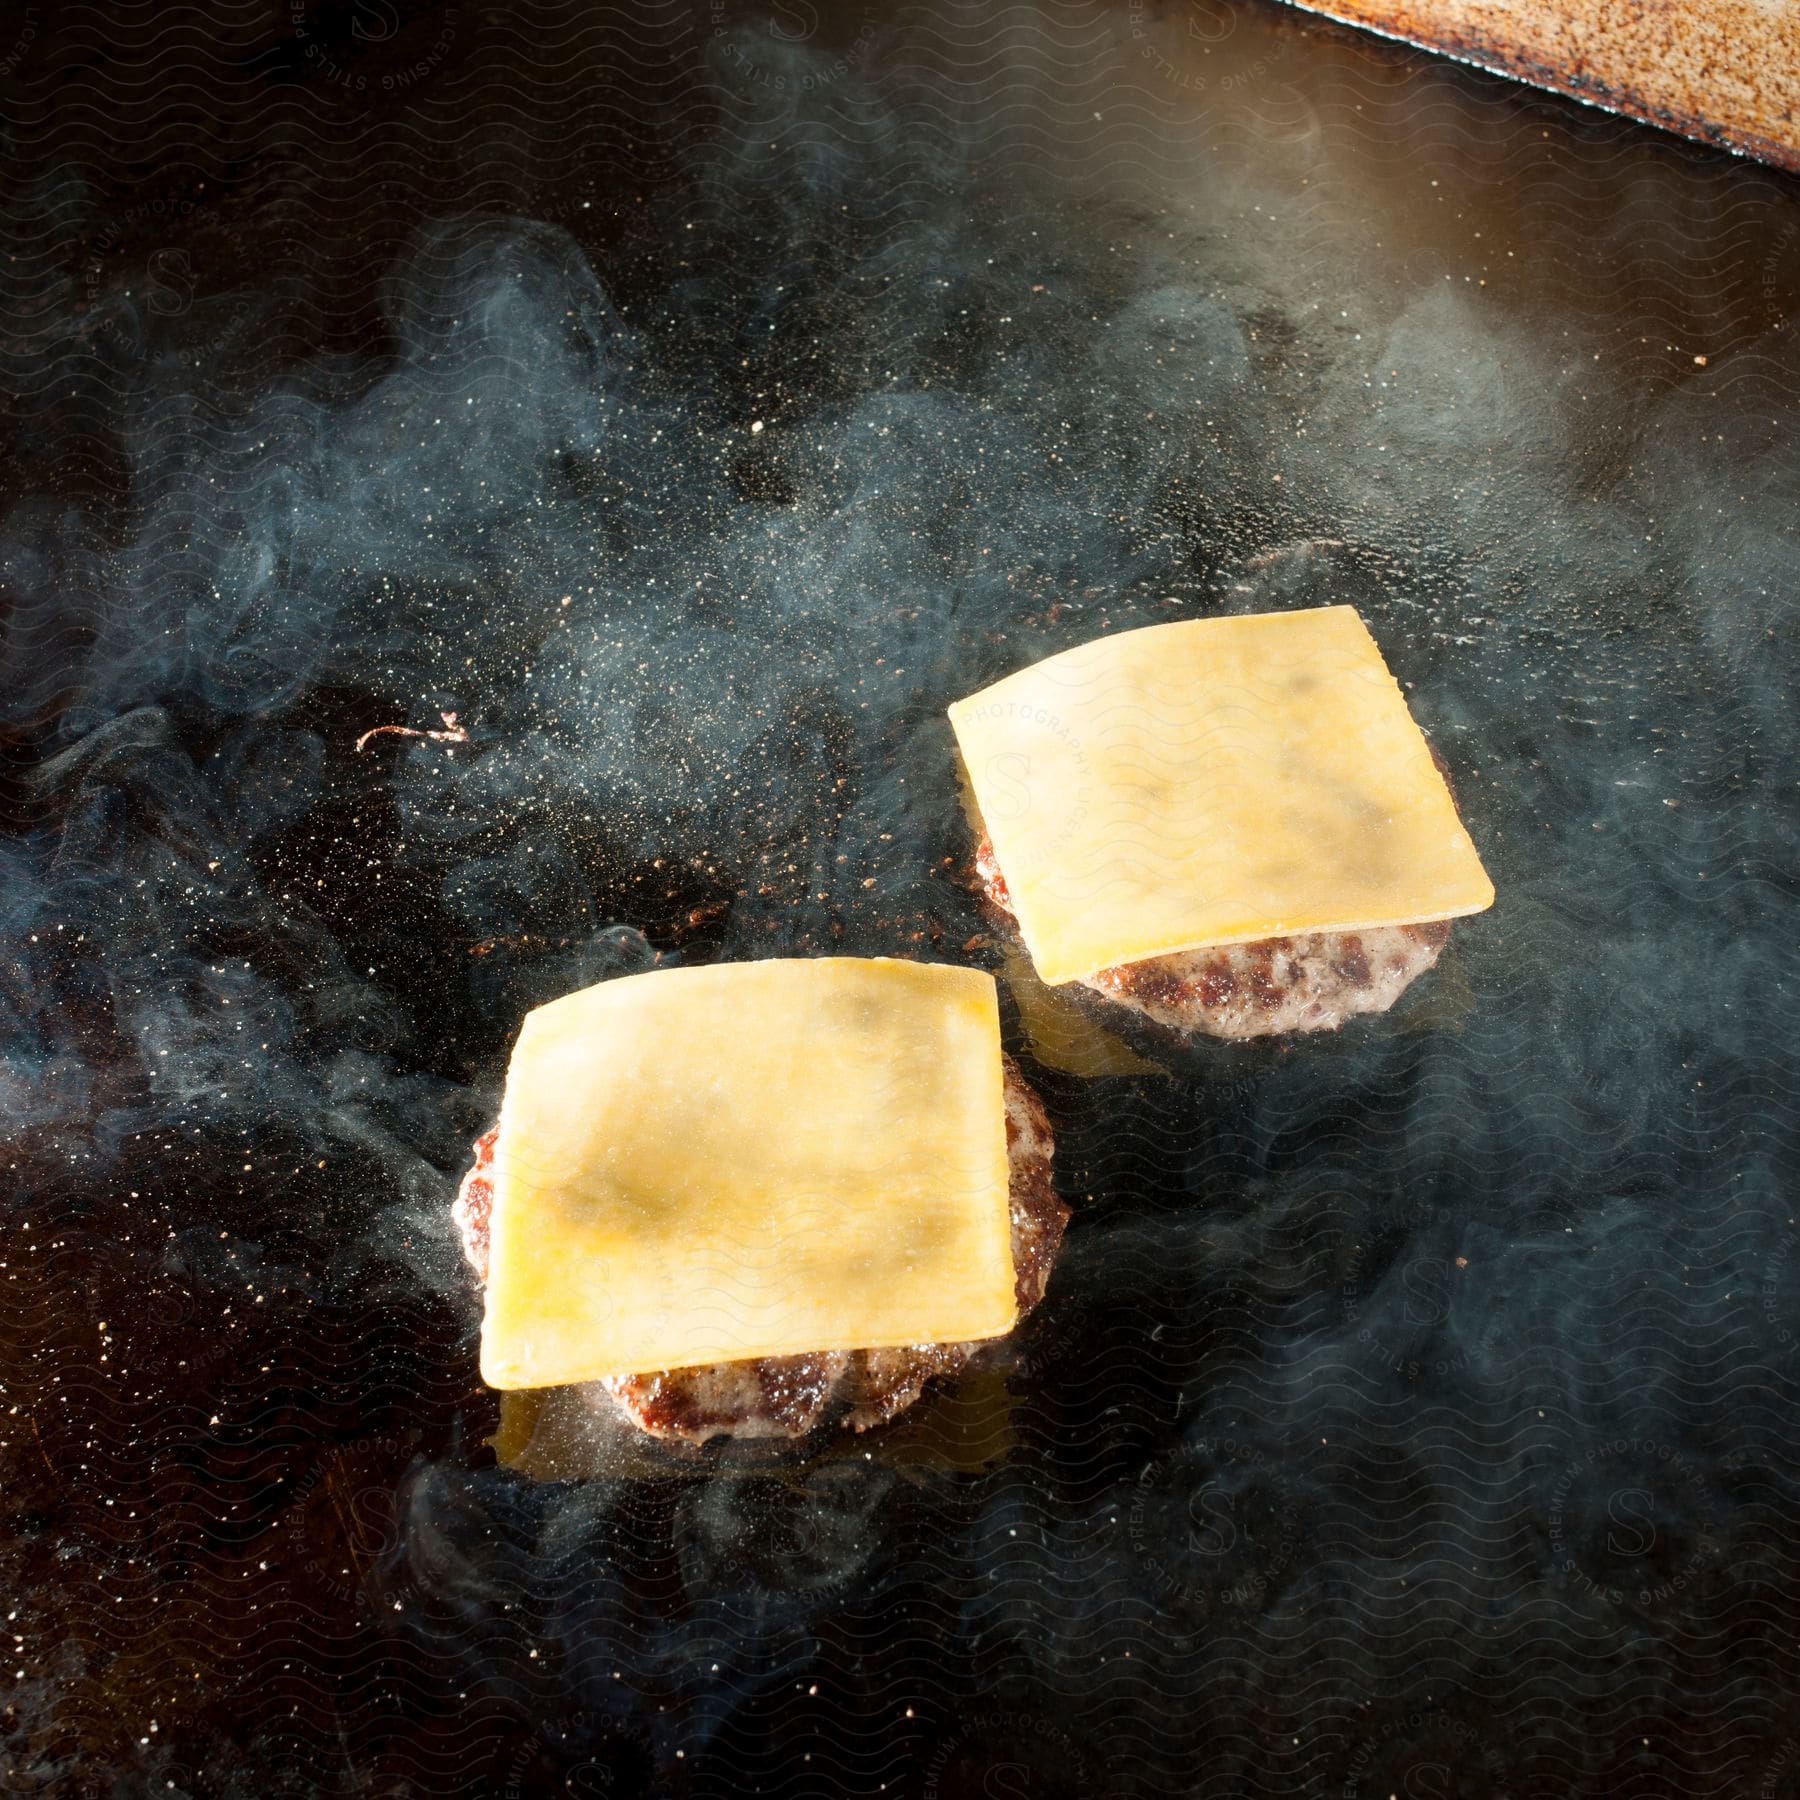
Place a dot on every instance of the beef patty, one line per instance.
(790, 1396)
(1311, 982)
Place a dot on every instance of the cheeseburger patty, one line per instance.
(789, 1396)
(1310, 982)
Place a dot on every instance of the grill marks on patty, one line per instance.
(770, 1397)
(790, 1396)
(474, 1207)
(1310, 982)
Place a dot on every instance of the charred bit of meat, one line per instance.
(452, 733)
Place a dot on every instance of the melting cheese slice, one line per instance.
(749, 1159)
(1212, 781)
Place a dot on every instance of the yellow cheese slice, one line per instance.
(749, 1159)
(1212, 781)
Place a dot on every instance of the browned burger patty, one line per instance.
(1311, 982)
(789, 1396)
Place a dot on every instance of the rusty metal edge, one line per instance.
(1517, 62)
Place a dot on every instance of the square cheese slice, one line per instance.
(1212, 781)
(749, 1159)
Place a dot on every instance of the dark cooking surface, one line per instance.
(1410, 1413)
